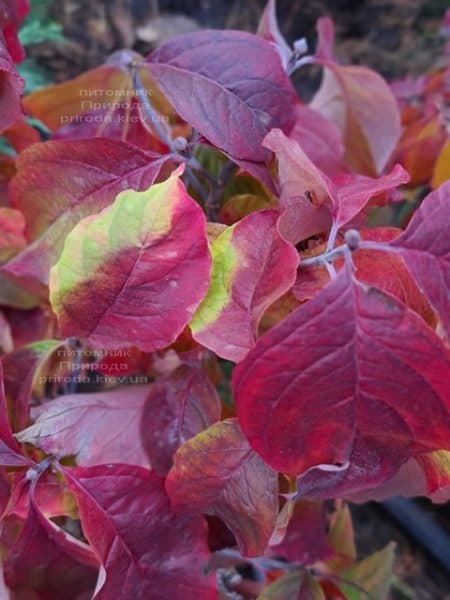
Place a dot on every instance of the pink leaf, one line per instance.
(229, 85)
(426, 475)
(269, 30)
(354, 192)
(361, 104)
(96, 428)
(325, 43)
(298, 176)
(302, 183)
(319, 138)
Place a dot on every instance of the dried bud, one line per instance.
(352, 239)
(180, 144)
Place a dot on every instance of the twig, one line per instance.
(209, 198)
(152, 115)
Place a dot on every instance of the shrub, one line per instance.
(224, 313)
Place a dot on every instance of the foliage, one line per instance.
(223, 314)
(38, 27)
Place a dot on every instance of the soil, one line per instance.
(395, 37)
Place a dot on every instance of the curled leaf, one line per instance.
(218, 473)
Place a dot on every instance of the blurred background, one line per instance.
(395, 37)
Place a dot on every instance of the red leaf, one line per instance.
(48, 561)
(229, 85)
(252, 267)
(6, 340)
(50, 494)
(177, 408)
(97, 428)
(145, 549)
(137, 285)
(75, 179)
(11, 88)
(12, 13)
(21, 370)
(425, 248)
(11, 84)
(21, 135)
(219, 474)
(425, 475)
(305, 540)
(390, 275)
(12, 239)
(331, 385)
(10, 451)
(29, 326)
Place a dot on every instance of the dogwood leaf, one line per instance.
(135, 273)
(330, 386)
(100, 102)
(305, 540)
(10, 452)
(298, 585)
(11, 88)
(268, 29)
(345, 196)
(21, 370)
(48, 561)
(74, 179)
(229, 85)
(96, 428)
(425, 248)
(424, 475)
(177, 408)
(319, 138)
(12, 239)
(252, 267)
(372, 576)
(217, 473)
(144, 548)
(361, 104)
